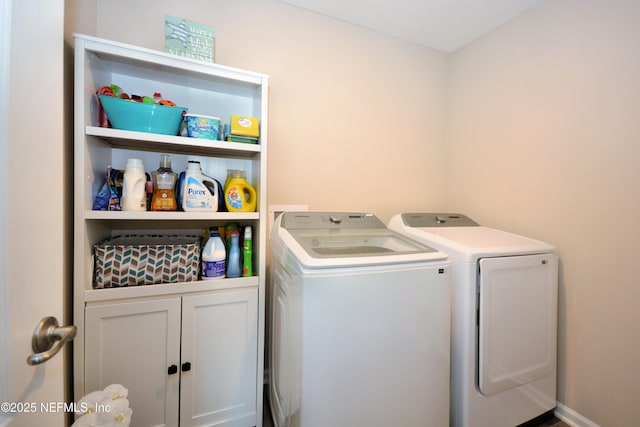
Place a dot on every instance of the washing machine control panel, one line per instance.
(418, 220)
(330, 220)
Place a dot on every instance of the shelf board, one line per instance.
(170, 216)
(120, 54)
(168, 289)
(166, 143)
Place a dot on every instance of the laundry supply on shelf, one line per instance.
(199, 192)
(133, 187)
(247, 253)
(201, 126)
(213, 256)
(239, 195)
(233, 266)
(108, 198)
(242, 129)
(164, 182)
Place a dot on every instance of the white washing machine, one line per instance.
(504, 324)
(360, 324)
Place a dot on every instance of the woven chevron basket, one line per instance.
(145, 260)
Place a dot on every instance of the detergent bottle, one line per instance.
(234, 268)
(239, 195)
(133, 186)
(164, 181)
(247, 253)
(199, 192)
(213, 256)
(231, 173)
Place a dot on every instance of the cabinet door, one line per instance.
(219, 341)
(134, 344)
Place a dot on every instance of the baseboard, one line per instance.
(571, 417)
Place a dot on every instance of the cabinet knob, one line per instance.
(186, 366)
(173, 369)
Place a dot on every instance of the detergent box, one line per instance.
(245, 126)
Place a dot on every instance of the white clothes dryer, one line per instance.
(359, 326)
(504, 324)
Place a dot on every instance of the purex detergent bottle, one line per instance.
(199, 192)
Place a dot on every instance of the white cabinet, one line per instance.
(195, 353)
(219, 339)
(138, 344)
(137, 333)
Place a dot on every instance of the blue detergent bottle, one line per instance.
(233, 267)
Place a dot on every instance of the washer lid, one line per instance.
(467, 242)
(330, 239)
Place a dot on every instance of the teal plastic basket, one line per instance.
(153, 118)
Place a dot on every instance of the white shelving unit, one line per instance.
(212, 331)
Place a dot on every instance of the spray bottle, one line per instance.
(247, 253)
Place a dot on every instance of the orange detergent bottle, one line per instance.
(164, 181)
(239, 195)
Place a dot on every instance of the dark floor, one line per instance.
(552, 422)
(266, 419)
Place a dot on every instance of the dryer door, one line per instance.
(517, 320)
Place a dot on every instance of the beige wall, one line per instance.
(544, 140)
(533, 129)
(356, 118)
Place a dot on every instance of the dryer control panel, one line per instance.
(418, 220)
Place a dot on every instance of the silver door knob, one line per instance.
(48, 338)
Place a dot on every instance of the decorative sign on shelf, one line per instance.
(188, 39)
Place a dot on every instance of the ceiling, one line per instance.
(445, 25)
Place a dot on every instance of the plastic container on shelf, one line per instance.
(199, 192)
(164, 182)
(227, 232)
(134, 196)
(233, 266)
(247, 253)
(137, 116)
(239, 195)
(200, 126)
(213, 256)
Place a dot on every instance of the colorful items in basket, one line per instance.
(139, 113)
(115, 91)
